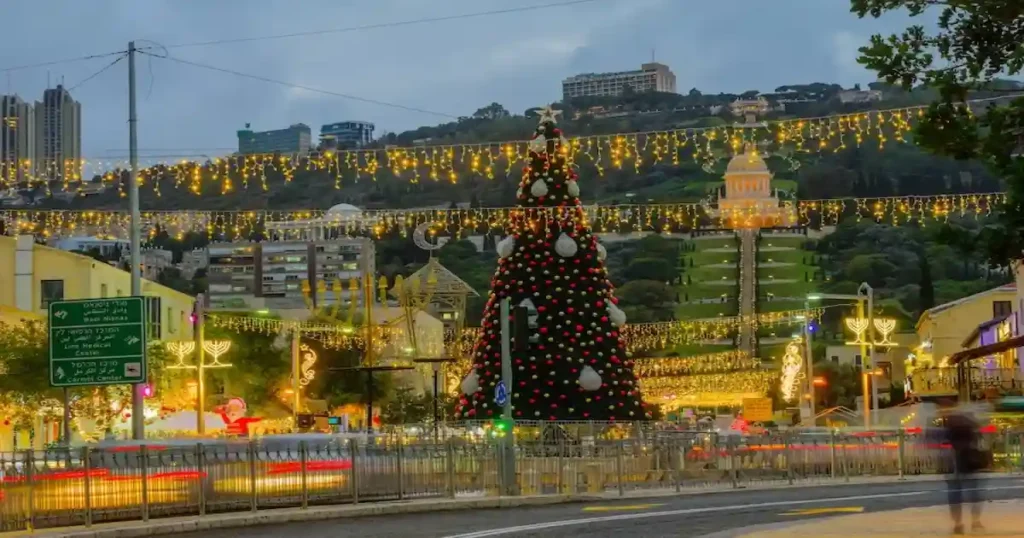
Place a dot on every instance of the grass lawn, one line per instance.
(792, 242)
(703, 291)
(791, 289)
(784, 184)
(779, 306)
(784, 256)
(698, 311)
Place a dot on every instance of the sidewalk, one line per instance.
(1000, 518)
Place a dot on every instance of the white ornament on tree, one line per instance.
(590, 380)
(506, 246)
(565, 246)
(616, 314)
(471, 384)
(539, 144)
(572, 188)
(602, 252)
(539, 188)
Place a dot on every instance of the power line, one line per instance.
(64, 61)
(98, 73)
(386, 25)
(301, 87)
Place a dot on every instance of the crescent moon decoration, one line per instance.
(419, 236)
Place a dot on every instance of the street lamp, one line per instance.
(865, 298)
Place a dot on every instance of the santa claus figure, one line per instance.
(233, 414)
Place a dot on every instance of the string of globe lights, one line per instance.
(284, 225)
(451, 162)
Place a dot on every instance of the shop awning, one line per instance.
(986, 350)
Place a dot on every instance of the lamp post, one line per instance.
(216, 349)
(436, 364)
(865, 299)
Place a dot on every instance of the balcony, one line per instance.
(948, 381)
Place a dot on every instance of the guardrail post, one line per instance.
(30, 480)
(144, 457)
(200, 470)
(733, 458)
(86, 485)
(680, 465)
(618, 468)
(353, 450)
(303, 467)
(844, 463)
(401, 471)
(560, 482)
(789, 459)
(251, 450)
(449, 467)
(832, 453)
(900, 445)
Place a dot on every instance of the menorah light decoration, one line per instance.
(884, 327)
(216, 348)
(180, 350)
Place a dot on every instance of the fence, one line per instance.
(92, 485)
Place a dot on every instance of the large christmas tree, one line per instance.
(576, 366)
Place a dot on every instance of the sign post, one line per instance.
(97, 342)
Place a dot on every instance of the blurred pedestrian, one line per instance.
(967, 458)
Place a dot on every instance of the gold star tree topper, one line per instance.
(549, 114)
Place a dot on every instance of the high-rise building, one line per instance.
(17, 139)
(59, 135)
(295, 139)
(651, 77)
(346, 134)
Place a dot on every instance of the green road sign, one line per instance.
(97, 342)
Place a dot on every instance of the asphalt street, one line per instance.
(685, 515)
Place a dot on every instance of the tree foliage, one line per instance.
(975, 43)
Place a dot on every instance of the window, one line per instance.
(170, 321)
(153, 316)
(103, 291)
(49, 291)
(1001, 309)
(835, 359)
(857, 361)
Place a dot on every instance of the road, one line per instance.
(686, 515)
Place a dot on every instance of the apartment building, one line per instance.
(258, 276)
(17, 139)
(295, 139)
(651, 77)
(58, 135)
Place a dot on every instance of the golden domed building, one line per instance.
(749, 201)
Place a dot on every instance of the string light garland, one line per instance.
(706, 389)
(727, 361)
(450, 162)
(273, 225)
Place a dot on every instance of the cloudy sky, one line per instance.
(451, 67)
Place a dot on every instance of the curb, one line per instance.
(277, 516)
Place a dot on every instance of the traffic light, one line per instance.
(501, 426)
(521, 328)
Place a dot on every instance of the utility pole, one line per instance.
(138, 394)
(809, 358)
(508, 442)
(200, 311)
(296, 374)
(870, 293)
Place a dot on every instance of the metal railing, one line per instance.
(86, 486)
